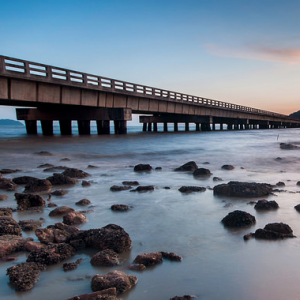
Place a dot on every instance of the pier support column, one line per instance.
(175, 126)
(84, 127)
(221, 126)
(165, 127)
(213, 126)
(187, 126)
(155, 127)
(103, 127)
(144, 126)
(197, 127)
(247, 126)
(149, 126)
(121, 127)
(229, 126)
(31, 127)
(47, 127)
(236, 126)
(65, 127)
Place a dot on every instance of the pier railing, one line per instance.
(13, 67)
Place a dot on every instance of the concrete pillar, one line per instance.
(236, 126)
(121, 127)
(65, 127)
(247, 126)
(165, 126)
(197, 127)
(47, 127)
(229, 126)
(213, 126)
(144, 126)
(31, 127)
(84, 127)
(103, 127)
(155, 127)
(221, 126)
(149, 126)
(187, 126)
(175, 126)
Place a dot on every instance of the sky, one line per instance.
(242, 52)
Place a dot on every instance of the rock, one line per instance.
(287, 146)
(74, 218)
(60, 192)
(118, 279)
(65, 159)
(243, 189)
(28, 225)
(238, 219)
(145, 188)
(120, 207)
(72, 266)
(23, 179)
(130, 182)
(171, 256)
(7, 184)
(266, 205)
(117, 188)
(10, 226)
(60, 179)
(45, 166)
(142, 168)
(158, 168)
(149, 259)
(52, 205)
(38, 185)
(92, 167)
(43, 153)
(105, 258)
(108, 294)
(279, 227)
(75, 173)
(3, 197)
(51, 254)
(202, 172)
(248, 236)
(86, 183)
(54, 169)
(190, 189)
(24, 275)
(298, 183)
(12, 243)
(137, 267)
(297, 207)
(31, 246)
(83, 202)
(6, 211)
(9, 171)
(185, 297)
(227, 167)
(190, 166)
(280, 183)
(270, 235)
(26, 201)
(217, 179)
(61, 211)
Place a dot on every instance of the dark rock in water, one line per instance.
(202, 172)
(248, 236)
(137, 267)
(279, 227)
(10, 226)
(287, 146)
(55, 168)
(171, 256)
(158, 168)
(145, 188)
(118, 188)
(142, 168)
(23, 179)
(86, 183)
(278, 158)
(27, 201)
(266, 205)
(51, 205)
(191, 189)
(227, 167)
(238, 219)
(243, 189)
(38, 185)
(3, 197)
(83, 202)
(45, 166)
(28, 225)
(280, 183)
(75, 173)
(60, 179)
(92, 167)
(74, 218)
(9, 171)
(6, 211)
(12, 243)
(118, 279)
(270, 235)
(130, 182)
(217, 179)
(43, 153)
(297, 207)
(149, 259)
(24, 275)
(298, 182)
(190, 166)
(108, 294)
(185, 297)
(72, 266)
(60, 193)
(61, 211)
(7, 184)
(120, 207)
(105, 258)
(65, 159)
(52, 254)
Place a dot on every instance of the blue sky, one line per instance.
(244, 52)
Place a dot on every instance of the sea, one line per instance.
(217, 263)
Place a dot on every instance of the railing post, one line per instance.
(26, 69)
(2, 64)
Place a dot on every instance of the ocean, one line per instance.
(217, 263)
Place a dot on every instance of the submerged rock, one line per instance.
(7, 184)
(191, 189)
(190, 166)
(28, 225)
(238, 219)
(145, 188)
(60, 179)
(149, 259)
(142, 168)
(3, 197)
(227, 167)
(60, 192)
(74, 218)
(38, 185)
(202, 172)
(108, 294)
(118, 188)
(120, 207)
(105, 258)
(9, 171)
(61, 211)
(72, 266)
(288, 146)
(26, 201)
(185, 297)
(75, 173)
(130, 182)
(266, 205)
(171, 256)
(83, 202)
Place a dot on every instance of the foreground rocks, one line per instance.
(61, 179)
(107, 294)
(266, 205)
(27, 201)
(74, 218)
(105, 258)
(238, 218)
(12, 243)
(38, 185)
(117, 279)
(9, 226)
(243, 189)
(7, 184)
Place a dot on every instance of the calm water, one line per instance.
(217, 263)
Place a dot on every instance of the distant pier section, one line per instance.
(50, 93)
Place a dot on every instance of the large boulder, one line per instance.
(266, 205)
(148, 259)
(75, 173)
(105, 258)
(227, 167)
(26, 201)
(238, 219)
(120, 207)
(23, 179)
(83, 202)
(118, 279)
(6, 211)
(61, 211)
(190, 166)
(243, 189)
(7, 184)
(143, 188)
(142, 168)
(191, 189)
(108, 294)
(10, 226)
(38, 185)
(74, 218)
(202, 172)
(24, 275)
(60, 179)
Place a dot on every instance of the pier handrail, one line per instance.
(13, 67)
